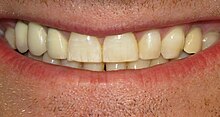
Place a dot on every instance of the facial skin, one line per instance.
(27, 92)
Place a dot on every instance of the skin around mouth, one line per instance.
(190, 87)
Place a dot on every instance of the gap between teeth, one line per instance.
(116, 52)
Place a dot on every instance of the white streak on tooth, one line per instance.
(72, 64)
(115, 66)
(57, 43)
(83, 48)
(138, 64)
(120, 48)
(39, 58)
(94, 66)
(158, 61)
(48, 59)
(173, 43)
(209, 39)
(150, 45)
(193, 42)
(21, 31)
(10, 37)
(37, 39)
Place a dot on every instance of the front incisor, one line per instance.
(83, 48)
(193, 42)
(120, 48)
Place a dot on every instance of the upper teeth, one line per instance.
(122, 51)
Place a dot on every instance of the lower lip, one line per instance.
(174, 70)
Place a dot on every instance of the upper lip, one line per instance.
(102, 21)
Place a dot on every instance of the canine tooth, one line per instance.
(120, 48)
(150, 45)
(115, 66)
(138, 64)
(21, 30)
(39, 58)
(93, 66)
(57, 44)
(37, 39)
(193, 42)
(173, 43)
(210, 38)
(72, 64)
(158, 61)
(48, 59)
(10, 37)
(84, 48)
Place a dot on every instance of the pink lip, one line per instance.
(169, 72)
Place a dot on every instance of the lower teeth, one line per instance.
(118, 52)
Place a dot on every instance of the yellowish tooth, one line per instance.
(21, 30)
(84, 48)
(115, 66)
(120, 48)
(39, 58)
(138, 64)
(37, 39)
(172, 43)
(150, 45)
(48, 59)
(209, 39)
(72, 64)
(10, 37)
(57, 43)
(193, 42)
(158, 61)
(94, 66)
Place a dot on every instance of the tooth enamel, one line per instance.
(72, 64)
(115, 66)
(183, 55)
(93, 66)
(21, 30)
(10, 37)
(193, 42)
(210, 38)
(39, 58)
(84, 48)
(173, 43)
(138, 64)
(48, 59)
(120, 48)
(57, 44)
(158, 61)
(37, 39)
(150, 45)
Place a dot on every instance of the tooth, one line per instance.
(39, 58)
(158, 61)
(150, 45)
(84, 48)
(120, 48)
(37, 39)
(172, 43)
(21, 30)
(115, 66)
(57, 44)
(193, 42)
(10, 37)
(94, 66)
(48, 59)
(72, 64)
(138, 64)
(183, 55)
(210, 38)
